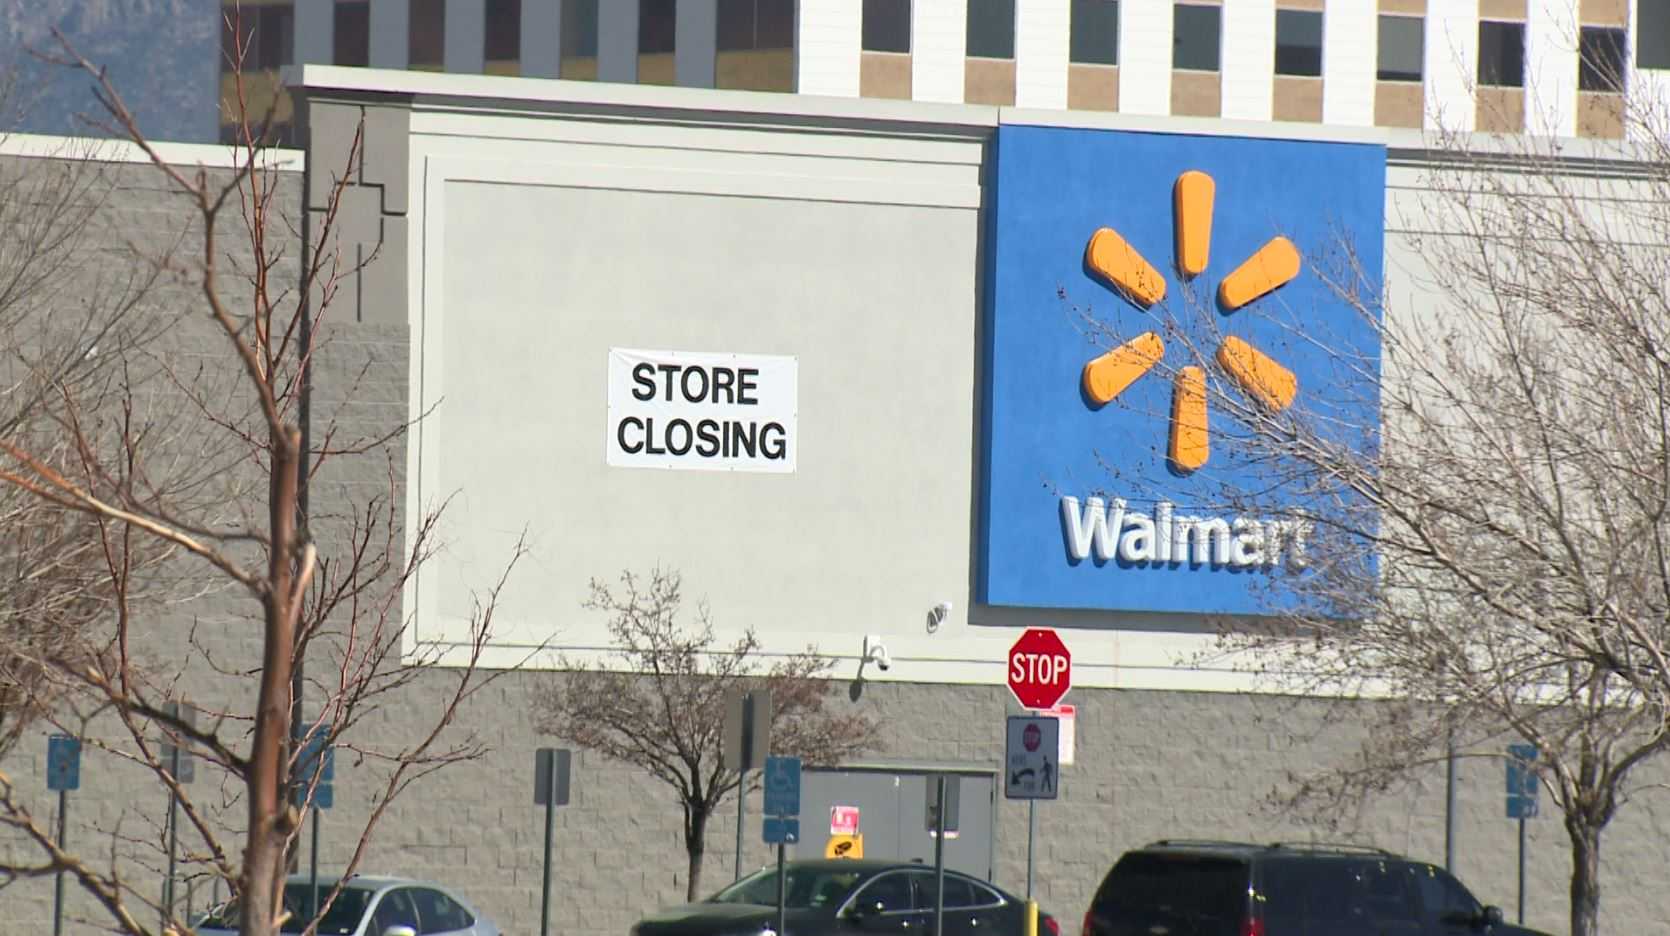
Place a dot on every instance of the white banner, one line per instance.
(704, 412)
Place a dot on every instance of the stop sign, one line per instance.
(1040, 669)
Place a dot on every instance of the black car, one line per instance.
(1201, 888)
(839, 896)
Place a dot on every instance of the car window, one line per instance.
(890, 892)
(439, 913)
(959, 894)
(1329, 895)
(1200, 892)
(1443, 895)
(806, 887)
(339, 920)
(985, 896)
(393, 909)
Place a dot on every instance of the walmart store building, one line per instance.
(824, 357)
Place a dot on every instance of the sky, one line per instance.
(162, 56)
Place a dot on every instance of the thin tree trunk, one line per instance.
(269, 821)
(1585, 876)
(695, 843)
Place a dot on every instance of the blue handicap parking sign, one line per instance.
(63, 763)
(781, 831)
(782, 786)
(1522, 784)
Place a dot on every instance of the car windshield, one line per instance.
(808, 888)
(341, 919)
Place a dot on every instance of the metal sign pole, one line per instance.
(1450, 818)
(782, 891)
(939, 860)
(58, 882)
(545, 888)
(741, 801)
(1031, 836)
(1521, 920)
(173, 824)
(313, 867)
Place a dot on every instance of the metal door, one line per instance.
(892, 803)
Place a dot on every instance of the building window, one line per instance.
(657, 32)
(991, 29)
(1094, 34)
(1299, 43)
(1501, 54)
(1602, 52)
(426, 35)
(351, 33)
(887, 25)
(1652, 30)
(756, 24)
(502, 37)
(579, 40)
(1402, 48)
(1195, 36)
(755, 45)
(268, 36)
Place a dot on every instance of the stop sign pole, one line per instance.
(1040, 671)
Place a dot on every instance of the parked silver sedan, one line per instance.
(369, 905)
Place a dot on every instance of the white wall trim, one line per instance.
(1350, 61)
(1451, 64)
(829, 35)
(1145, 36)
(938, 49)
(92, 149)
(1043, 30)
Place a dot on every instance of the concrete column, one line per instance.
(1350, 50)
(1042, 31)
(1551, 60)
(617, 41)
(939, 48)
(829, 35)
(1248, 59)
(695, 43)
(1451, 63)
(466, 37)
(1145, 28)
(315, 28)
(541, 38)
(391, 28)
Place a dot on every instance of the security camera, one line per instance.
(875, 652)
(937, 615)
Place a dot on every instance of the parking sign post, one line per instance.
(63, 773)
(550, 789)
(1522, 802)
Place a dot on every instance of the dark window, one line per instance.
(755, 24)
(426, 34)
(1194, 41)
(1299, 43)
(1336, 895)
(1402, 48)
(1147, 891)
(887, 25)
(1652, 29)
(268, 35)
(890, 893)
(503, 32)
(579, 29)
(394, 909)
(351, 33)
(1502, 54)
(1602, 53)
(657, 20)
(959, 894)
(1094, 35)
(991, 29)
(1446, 901)
(805, 887)
(439, 913)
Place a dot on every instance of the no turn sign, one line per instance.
(1040, 669)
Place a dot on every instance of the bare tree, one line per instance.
(197, 454)
(659, 704)
(1491, 550)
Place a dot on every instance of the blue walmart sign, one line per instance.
(1136, 279)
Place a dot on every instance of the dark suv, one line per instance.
(1199, 888)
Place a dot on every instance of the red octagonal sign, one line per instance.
(1040, 669)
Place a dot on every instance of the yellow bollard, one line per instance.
(1032, 918)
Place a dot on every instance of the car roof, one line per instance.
(364, 881)
(1323, 850)
(867, 865)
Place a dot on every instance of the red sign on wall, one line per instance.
(1040, 669)
(843, 820)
